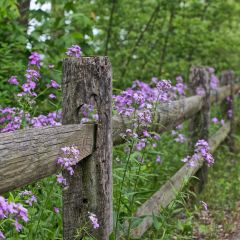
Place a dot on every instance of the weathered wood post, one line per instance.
(227, 105)
(88, 80)
(199, 81)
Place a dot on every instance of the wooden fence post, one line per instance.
(199, 124)
(88, 80)
(227, 105)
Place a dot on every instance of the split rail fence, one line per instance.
(30, 154)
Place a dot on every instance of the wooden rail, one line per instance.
(30, 154)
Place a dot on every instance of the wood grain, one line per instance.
(30, 154)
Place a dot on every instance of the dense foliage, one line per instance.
(142, 38)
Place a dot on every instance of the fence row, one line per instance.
(30, 154)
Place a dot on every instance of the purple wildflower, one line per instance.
(70, 158)
(205, 206)
(52, 96)
(30, 200)
(141, 144)
(61, 179)
(158, 159)
(94, 220)
(230, 113)
(2, 235)
(145, 117)
(180, 138)
(34, 59)
(163, 88)
(17, 225)
(202, 148)
(53, 84)
(32, 74)
(200, 91)
(13, 80)
(214, 82)
(74, 51)
(56, 210)
(215, 120)
(222, 122)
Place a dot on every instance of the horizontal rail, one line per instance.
(171, 188)
(30, 154)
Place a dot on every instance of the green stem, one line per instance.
(134, 189)
(120, 195)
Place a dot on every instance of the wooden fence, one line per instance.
(30, 154)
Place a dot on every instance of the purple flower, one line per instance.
(205, 206)
(74, 51)
(32, 74)
(31, 197)
(145, 117)
(17, 225)
(52, 96)
(56, 210)
(34, 59)
(222, 122)
(180, 138)
(53, 84)
(214, 82)
(141, 144)
(230, 113)
(2, 235)
(156, 137)
(215, 120)
(158, 159)
(61, 179)
(146, 133)
(200, 91)
(30, 200)
(163, 87)
(28, 86)
(180, 86)
(70, 158)
(13, 80)
(94, 220)
(202, 149)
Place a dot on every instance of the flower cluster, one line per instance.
(70, 157)
(94, 220)
(140, 99)
(14, 211)
(201, 151)
(216, 121)
(12, 119)
(30, 198)
(180, 87)
(74, 51)
(34, 59)
(214, 81)
(88, 113)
